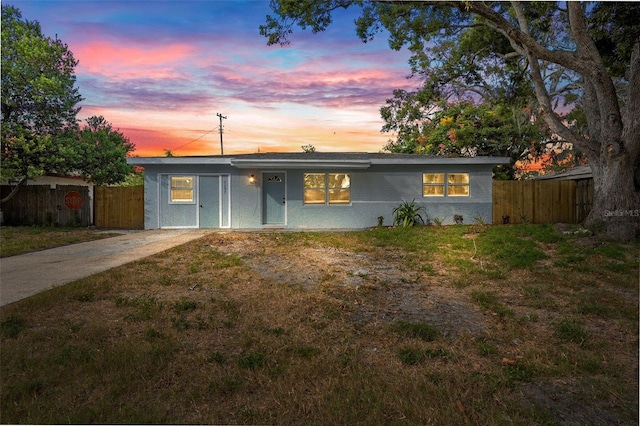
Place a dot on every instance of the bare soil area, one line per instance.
(381, 288)
(378, 286)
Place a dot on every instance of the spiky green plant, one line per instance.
(408, 214)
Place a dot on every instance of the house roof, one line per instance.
(574, 173)
(334, 160)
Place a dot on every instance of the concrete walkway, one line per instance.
(25, 275)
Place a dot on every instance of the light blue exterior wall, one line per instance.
(159, 212)
(375, 191)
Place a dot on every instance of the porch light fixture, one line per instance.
(252, 179)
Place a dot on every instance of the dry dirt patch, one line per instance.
(379, 287)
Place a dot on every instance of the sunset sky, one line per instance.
(159, 71)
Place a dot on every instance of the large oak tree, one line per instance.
(592, 50)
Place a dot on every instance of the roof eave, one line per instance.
(317, 163)
(144, 161)
(431, 160)
(299, 164)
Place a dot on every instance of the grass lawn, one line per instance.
(16, 240)
(429, 325)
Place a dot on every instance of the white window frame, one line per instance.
(193, 189)
(327, 190)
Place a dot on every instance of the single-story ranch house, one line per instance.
(311, 190)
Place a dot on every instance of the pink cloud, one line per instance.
(114, 60)
(331, 86)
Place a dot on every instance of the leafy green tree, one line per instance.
(615, 30)
(103, 152)
(26, 156)
(480, 90)
(136, 178)
(38, 80)
(40, 132)
(38, 100)
(561, 47)
(465, 129)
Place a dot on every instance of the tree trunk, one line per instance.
(613, 143)
(616, 200)
(616, 168)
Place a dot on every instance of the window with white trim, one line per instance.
(181, 189)
(445, 184)
(327, 188)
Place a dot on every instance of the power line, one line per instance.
(200, 137)
(196, 139)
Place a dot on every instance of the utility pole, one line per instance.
(221, 147)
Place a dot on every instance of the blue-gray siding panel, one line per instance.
(175, 215)
(159, 213)
(375, 192)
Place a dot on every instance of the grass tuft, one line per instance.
(488, 301)
(11, 326)
(411, 355)
(570, 330)
(184, 305)
(217, 357)
(252, 360)
(419, 330)
(307, 352)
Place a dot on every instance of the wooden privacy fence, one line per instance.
(119, 207)
(63, 205)
(541, 201)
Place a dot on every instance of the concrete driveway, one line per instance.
(25, 275)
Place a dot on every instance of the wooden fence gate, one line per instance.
(119, 207)
(541, 201)
(62, 205)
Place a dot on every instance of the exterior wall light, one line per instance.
(252, 179)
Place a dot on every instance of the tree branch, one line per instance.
(520, 36)
(606, 99)
(546, 109)
(14, 191)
